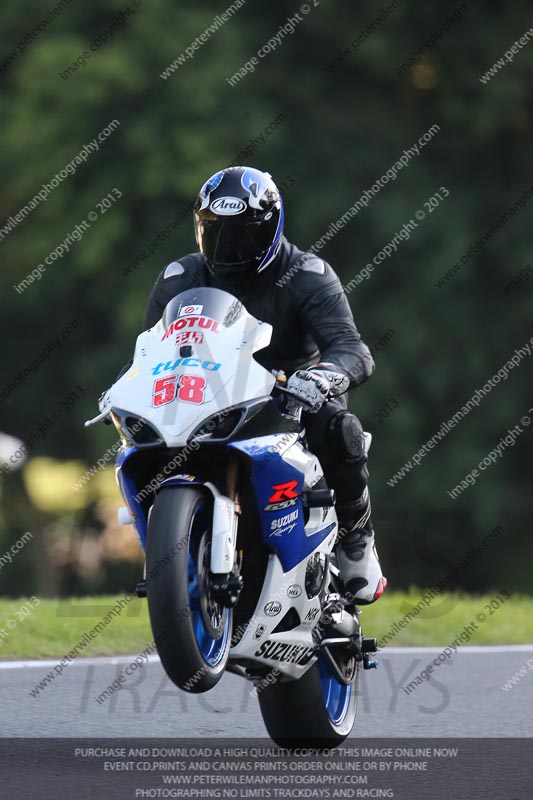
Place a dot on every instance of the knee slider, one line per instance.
(347, 436)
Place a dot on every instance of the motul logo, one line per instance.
(191, 322)
(228, 205)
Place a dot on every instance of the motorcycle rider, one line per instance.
(238, 219)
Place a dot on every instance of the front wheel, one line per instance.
(315, 711)
(191, 630)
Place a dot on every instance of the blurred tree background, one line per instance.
(331, 126)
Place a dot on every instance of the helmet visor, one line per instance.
(235, 244)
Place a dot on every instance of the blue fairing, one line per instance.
(129, 492)
(275, 482)
(282, 528)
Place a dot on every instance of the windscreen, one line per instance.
(214, 309)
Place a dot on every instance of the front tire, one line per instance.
(192, 631)
(314, 711)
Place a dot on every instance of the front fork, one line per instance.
(226, 563)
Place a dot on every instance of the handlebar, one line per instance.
(294, 405)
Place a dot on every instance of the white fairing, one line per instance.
(285, 590)
(221, 364)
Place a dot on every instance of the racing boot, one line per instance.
(357, 557)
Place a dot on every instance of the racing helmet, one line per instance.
(238, 222)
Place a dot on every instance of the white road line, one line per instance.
(102, 660)
(474, 648)
(99, 660)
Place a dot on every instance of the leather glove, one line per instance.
(310, 388)
(103, 400)
(339, 382)
(315, 385)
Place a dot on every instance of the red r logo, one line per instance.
(284, 491)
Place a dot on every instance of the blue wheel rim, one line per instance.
(212, 649)
(337, 696)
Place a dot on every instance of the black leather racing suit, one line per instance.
(302, 298)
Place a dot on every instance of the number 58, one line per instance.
(187, 388)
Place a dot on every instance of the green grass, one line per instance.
(53, 628)
(446, 618)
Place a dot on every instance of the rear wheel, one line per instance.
(315, 711)
(191, 630)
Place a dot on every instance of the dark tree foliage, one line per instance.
(327, 113)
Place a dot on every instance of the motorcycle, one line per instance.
(240, 571)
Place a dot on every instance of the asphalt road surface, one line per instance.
(462, 698)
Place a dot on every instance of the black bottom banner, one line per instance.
(127, 769)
